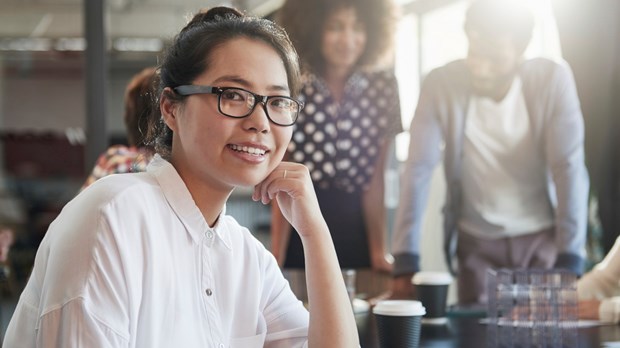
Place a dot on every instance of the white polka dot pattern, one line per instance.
(340, 142)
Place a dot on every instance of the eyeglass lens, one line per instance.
(239, 103)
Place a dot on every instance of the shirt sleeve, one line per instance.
(74, 297)
(425, 139)
(564, 150)
(609, 310)
(603, 280)
(53, 310)
(603, 283)
(88, 330)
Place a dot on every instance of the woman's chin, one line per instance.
(250, 180)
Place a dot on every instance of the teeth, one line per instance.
(251, 150)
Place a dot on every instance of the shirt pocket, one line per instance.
(256, 341)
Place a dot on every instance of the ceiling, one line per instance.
(56, 19)
(48, 34)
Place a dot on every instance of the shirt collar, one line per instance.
(180, 200)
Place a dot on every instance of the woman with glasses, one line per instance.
(343, 134)
(152, 259)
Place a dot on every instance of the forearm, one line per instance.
(331, 318)
(374, 216)
(280, 233)
(373, 204)
(424, 154)
(609, 310)
(572, 185)
(564, 153)
(603, 280)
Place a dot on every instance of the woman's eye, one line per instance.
(232, 95)
(281, 103)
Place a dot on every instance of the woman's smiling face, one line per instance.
(221, 151)
(344, 39)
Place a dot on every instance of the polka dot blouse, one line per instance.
(340, 142)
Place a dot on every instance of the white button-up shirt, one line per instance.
(131, 262)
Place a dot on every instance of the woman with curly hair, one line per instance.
(343, 134)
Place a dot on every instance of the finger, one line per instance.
(257, 194)
(278, 176)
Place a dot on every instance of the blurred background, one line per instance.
(64, 65)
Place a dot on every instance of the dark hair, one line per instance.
(304, 20)
(140, 105)
(190, 52)
(501, 17)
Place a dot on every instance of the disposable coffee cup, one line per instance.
(399, 323)
(432, 291)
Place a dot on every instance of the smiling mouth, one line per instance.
(248, 149)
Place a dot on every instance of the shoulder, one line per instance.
(543, 70)
(114, 187)
(312, 84)
(127, 194)
(79, 237)
(542, 64)
(454, 67)
(451, 75)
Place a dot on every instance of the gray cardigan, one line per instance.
(557, 124)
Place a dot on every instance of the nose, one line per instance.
(257, 121)
(350, 37)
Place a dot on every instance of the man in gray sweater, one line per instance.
(510, 132)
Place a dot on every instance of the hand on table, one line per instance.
(588, 309)
(402, 288)
(382, 263)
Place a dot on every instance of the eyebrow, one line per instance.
(246, 84)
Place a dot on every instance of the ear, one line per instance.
(169, 108)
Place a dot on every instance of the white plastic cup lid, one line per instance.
(401, 308)
(432, 278)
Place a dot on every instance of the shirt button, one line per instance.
(221, 345)
(209, 292)
(209, 234)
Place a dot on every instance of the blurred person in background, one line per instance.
(510, 133)
(12, 215)
(599, 289)
(139, 107)
(7, 238)
(343, 135)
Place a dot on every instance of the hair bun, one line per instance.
(214, 14)
(221, 11)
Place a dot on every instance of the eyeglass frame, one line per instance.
(186, 90)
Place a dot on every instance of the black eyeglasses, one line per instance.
(238, 103)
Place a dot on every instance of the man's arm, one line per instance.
(564, 137)
(424, 154)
